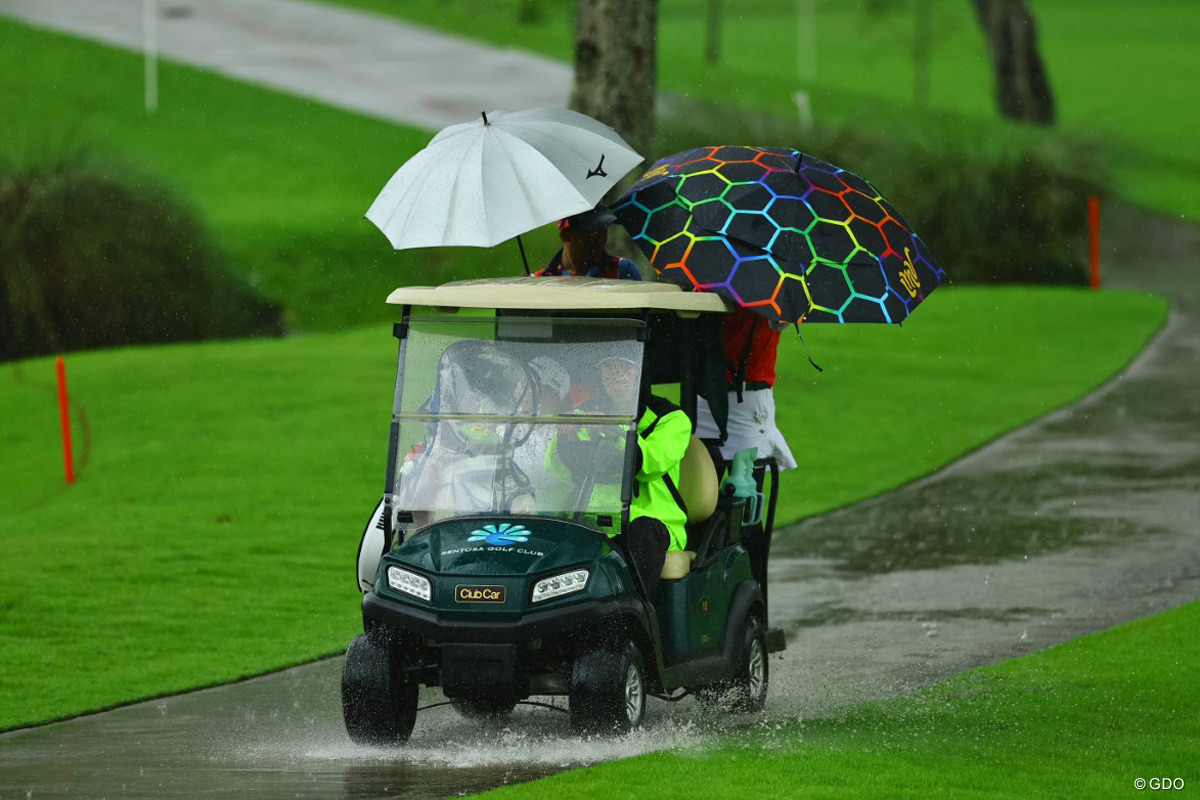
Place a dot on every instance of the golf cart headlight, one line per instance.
(558, 585)
(410, 583)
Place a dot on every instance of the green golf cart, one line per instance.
(495, 568)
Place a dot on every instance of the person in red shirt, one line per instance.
(585, 239)
(750, 345)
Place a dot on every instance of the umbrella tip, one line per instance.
(485, 119)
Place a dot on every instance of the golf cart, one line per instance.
(491, 570)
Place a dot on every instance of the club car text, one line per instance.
(467, 593)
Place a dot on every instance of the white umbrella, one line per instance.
(482, 182)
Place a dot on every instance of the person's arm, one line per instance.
(664, 447)
(553, 269)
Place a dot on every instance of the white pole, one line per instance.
(150, 47)
(806, 39)
(804, 110)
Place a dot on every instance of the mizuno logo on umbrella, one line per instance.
(599, 170)
(908, 275)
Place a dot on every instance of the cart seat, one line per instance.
(698, 487)
(698, 482)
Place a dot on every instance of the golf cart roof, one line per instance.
(560, 293)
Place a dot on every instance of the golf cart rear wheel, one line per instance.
(484, 707)
(379, 700)
(747, 692)
(608, 690)
(750, 684)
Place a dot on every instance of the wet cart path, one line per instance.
(362, 62)
(1082, 521)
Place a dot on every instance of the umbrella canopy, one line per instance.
(482, 182)
(781, 232)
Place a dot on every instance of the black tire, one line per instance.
(747, 692)
(485, 708)
(379, 700)
(608, 690)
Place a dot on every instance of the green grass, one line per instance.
(1119, 72)
(283, 181)
(212, 530)
(1084, 719)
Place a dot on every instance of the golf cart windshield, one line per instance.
(515, 415)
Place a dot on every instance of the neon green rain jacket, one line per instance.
(664, 432)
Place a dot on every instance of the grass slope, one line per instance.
(283, 181)
(211, 533)
(1118, 71)
(212, 529)
(1084, 719)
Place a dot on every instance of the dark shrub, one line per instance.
(1012, 211)
(95, 256)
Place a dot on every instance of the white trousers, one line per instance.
(751, 424)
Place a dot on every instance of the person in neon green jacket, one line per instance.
(664, 432)
(657, 513)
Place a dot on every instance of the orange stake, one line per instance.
(1094, 239)
(64, 413)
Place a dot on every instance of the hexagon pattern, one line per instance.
(779, 231)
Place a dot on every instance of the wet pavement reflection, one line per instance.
(281, 735)
(1082, 521)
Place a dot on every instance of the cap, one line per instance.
(615, 363)
(552, 374)
(594, 219)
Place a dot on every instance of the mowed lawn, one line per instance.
(223, 487)
(1122, 74)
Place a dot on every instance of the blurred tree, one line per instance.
(615, 66)
(1022, 87)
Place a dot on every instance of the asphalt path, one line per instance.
(1084, 520)
(362, 62)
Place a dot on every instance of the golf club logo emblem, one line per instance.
(503, 535)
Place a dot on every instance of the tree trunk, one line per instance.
(1022, 88)
(712, 32)
(922, 44)
(615, 69)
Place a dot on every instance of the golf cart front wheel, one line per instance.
(379, 700)
(608, 690)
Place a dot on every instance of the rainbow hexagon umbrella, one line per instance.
(781, 232)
